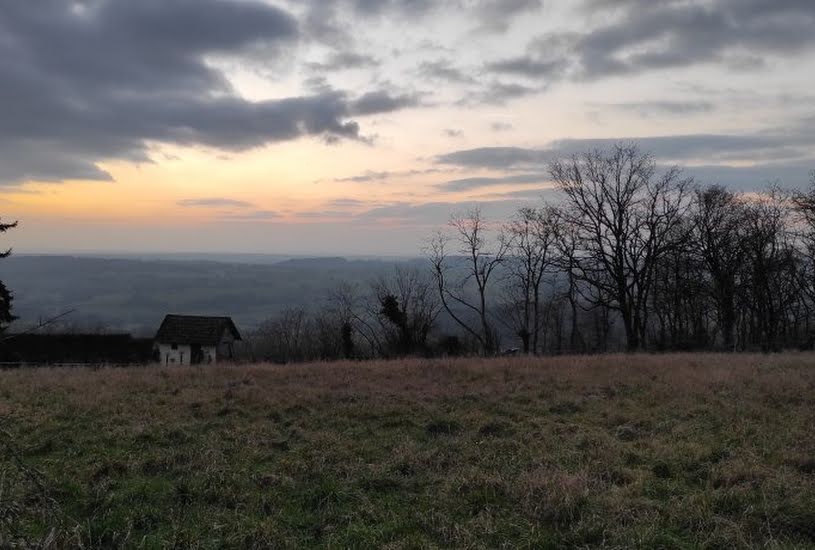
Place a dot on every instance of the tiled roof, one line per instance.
(194, 329)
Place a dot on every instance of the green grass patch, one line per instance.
(682, 451)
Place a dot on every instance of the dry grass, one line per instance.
(618, 451)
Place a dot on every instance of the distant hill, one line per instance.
(133, 294)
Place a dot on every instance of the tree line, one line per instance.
(629, 258)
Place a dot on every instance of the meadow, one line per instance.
(670, 451)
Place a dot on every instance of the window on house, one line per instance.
(174, 346)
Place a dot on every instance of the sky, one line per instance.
(359, 126)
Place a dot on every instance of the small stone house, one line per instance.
(195, 340)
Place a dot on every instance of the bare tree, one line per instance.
(464, 282)
(566, 260)
(532, 234)
(358, 314)
(681, 298)
(327, 335)
(718, 218)
(804, 202)
(625, 218)
(409, 307)
(771, 272)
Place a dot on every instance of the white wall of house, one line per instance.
(181, 354)
(174, 354)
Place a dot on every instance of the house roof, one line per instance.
(195, 329)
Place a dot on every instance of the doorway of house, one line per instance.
(197, 354)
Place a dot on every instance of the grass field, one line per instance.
(678, 451)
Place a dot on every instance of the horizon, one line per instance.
(184, 255)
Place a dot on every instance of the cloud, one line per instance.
(445, 70)
(495, 157)
(536, 193)
(214, 202)
(255, 215)
(89, 82)
(344, 60)
(382, 102)
(651, 108)
(496, 15)
(501, 126)
(331, 21)
(345, 202)
(636, 36)
(499, 93)
(368, 176)
(658, 35)
(756, 177)
(469, 184)
(526, 66)
(321, 214)
(695, 148)
(789, 144)
(374, 176)
(746, 161)
(325, 18)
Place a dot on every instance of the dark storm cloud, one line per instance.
(84, 82)
(641, 35)
(48, 161)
